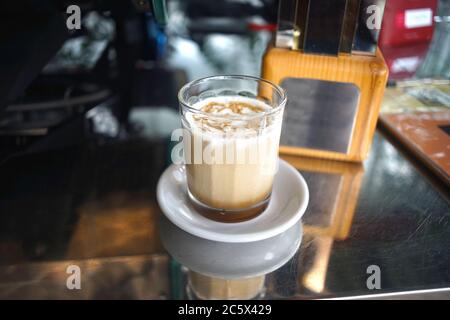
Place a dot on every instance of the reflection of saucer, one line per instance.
(230, 260)
(287, 204)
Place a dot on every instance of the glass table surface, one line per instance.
(376, 228)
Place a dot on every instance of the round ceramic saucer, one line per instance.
(287, 204)
(230, 260)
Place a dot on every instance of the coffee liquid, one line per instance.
(231, 151)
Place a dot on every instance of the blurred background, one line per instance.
(118, 75)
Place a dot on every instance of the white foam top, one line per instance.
(232, 105)
(237, 108)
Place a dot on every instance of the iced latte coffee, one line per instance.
(231, 145)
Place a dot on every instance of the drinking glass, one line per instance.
(231, 153)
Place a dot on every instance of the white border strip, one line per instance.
(391, 294)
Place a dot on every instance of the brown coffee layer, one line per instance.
(230, 216)
(228, 204)
(246, 211)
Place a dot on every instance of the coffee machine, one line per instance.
(52, 75)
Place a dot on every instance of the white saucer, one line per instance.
(288, 203)
(230, 260)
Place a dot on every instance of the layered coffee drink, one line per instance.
(231, 154)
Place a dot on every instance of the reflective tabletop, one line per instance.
(376, 228)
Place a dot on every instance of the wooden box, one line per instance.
(368, 74)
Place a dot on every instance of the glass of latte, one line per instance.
(231, 133)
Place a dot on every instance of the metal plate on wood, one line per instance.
(319, 114)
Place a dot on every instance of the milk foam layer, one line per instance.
(231, 115)
(232, 105)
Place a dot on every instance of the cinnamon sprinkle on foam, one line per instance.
(236, 107)
(233, 107)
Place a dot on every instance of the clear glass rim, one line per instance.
(277, 88)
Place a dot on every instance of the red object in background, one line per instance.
(404, 61)
(407, 22)
(261, 27)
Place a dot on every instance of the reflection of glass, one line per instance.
(219, 270)
(204, 287)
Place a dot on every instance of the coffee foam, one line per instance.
(229, 116)
(233, 106)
